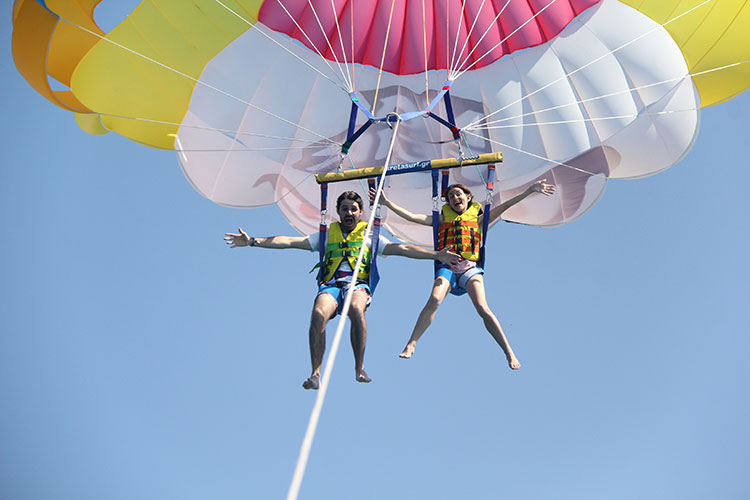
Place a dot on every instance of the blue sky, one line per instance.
(140, 358)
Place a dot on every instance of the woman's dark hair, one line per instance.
(349, 195)
(462, 188)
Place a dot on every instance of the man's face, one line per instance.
(349, 214)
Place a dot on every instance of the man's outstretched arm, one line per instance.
(415, 252)
(242, 239)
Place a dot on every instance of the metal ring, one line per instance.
(388, 121)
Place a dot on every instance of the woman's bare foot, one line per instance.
(514, 363)
(362, 377)
(408, 350)
(312, 383)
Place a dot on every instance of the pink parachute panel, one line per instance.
(410, 25)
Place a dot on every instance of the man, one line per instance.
(336, 276)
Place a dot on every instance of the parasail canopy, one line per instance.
(257, 97)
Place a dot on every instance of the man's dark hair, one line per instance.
(349, 195)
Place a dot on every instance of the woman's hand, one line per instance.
(542, 187)
(383, 200)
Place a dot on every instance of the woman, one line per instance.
(460, 223)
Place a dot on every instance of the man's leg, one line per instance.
(440, 290)
(323, 308)
(358, 332)
(475, 289)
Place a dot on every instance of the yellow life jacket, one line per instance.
(461, 233)
(338, 247)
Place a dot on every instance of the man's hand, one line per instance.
(445, 256)
(238, 240)
(542, 187)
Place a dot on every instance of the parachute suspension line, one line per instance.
(485, 126)
(351, 25)
(424, 42)
(447, 38)
(382, 59)
(195, 80)
(459, 22)
(498, 44)
(529, 153)
(326, 375)
(489, 28)
(566, 76)
(340, 84)
(245, 150)
(222, 130)
(346, 77)
(314, 47)
(468, 36)
(587, 120)
(343, 50)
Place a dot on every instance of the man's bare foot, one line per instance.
(514, 363)
(408, 350)
(362, 377)
(312, 383)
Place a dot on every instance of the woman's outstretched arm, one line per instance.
(537, 187)
(425, 220)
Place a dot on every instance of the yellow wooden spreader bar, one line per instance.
(403, 168)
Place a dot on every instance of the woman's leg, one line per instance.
(475, 289)
(440, 289)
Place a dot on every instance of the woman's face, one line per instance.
(458, 200)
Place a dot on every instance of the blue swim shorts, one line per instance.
(340, 289)
(458, 282)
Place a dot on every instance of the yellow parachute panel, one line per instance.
(34, 28)
(712, 36)
(168, 44)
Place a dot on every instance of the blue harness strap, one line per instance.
(449, 110)
(322, 229)
(374, 274)
(486, 217)
(435, 214)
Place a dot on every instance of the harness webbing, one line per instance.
(471, 235)
(435, 214)
(322, 229)
(490, 185)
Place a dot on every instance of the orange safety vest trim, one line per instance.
(338, 247)
(461, 233)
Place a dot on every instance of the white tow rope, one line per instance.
(312, 425)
